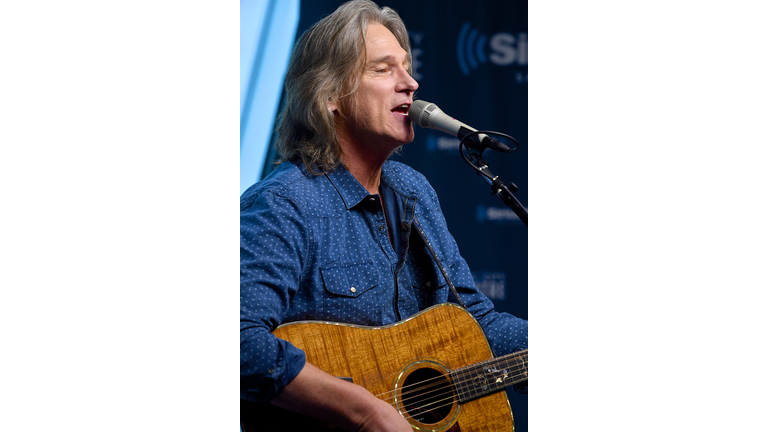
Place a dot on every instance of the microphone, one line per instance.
(428, 115)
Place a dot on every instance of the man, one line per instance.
(337, 232)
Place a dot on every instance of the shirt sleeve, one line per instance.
(506, 333)
(274, 241)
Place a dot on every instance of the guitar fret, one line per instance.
(485, 373)
(467, 380)
(461, 384)
(474, 381)
(514, 368)
(475, 384)
(457, 384)
(496, 374)
(522, 364)
(470, 381)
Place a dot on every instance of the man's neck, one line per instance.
(364, 164)
(367, 172)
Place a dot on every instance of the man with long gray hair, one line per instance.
(339, 233)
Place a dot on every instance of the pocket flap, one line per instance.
(349, 279)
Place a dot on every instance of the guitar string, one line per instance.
(408, 416)
(516, 376)
(448, 390)
(520, 368)
(449, 401)
(423, 386)
(421, 390)
(512, 357)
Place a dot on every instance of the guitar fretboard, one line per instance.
(480, 379)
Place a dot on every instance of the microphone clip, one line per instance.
(475, 142)
(498, 187)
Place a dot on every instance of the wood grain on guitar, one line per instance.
(436, 368)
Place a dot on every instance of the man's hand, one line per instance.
(343, 404)
(384, 417)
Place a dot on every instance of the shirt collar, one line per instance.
(390, 175)
(352, 192)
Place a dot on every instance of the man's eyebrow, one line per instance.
(383, 59)
(388, 58)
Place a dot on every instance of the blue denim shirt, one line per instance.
(317, 248)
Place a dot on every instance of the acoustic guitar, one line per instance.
(436, 368)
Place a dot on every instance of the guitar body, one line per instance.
(386, 361)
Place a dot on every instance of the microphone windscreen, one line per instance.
(420, 111)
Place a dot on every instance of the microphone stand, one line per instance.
(498, 187)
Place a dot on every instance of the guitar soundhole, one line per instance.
(427, 395)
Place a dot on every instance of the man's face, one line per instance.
(378, 117)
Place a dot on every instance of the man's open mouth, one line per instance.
(403, 109)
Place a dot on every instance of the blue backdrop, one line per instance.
(471, 59)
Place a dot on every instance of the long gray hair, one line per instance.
(327, 63)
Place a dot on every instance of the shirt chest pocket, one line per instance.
(428, 282)
(349, 293)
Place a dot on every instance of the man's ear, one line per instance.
(333, 105)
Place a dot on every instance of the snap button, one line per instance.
(429, 284)
(381, 227)
(353, 289)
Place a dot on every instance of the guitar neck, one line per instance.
(480, 379)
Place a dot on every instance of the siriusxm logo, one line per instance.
(491, 284)
(496, 214)
(505, 49)
(441, 143)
